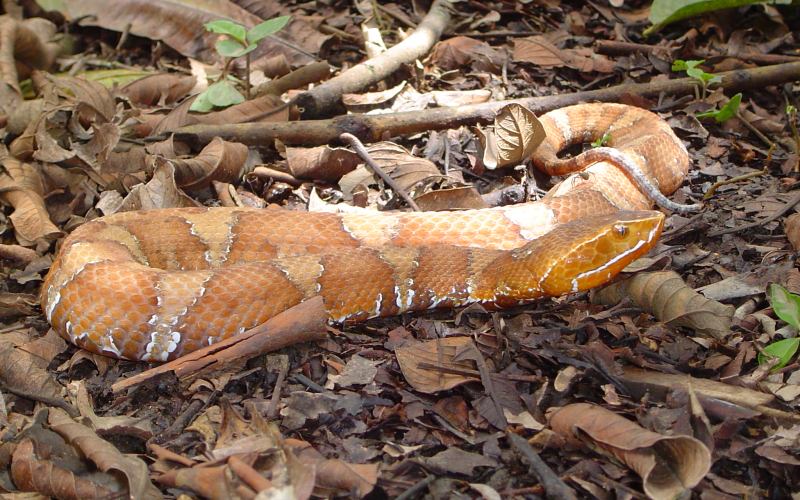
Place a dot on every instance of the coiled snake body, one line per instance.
(154, 285)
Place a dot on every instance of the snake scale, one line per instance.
(154, 285)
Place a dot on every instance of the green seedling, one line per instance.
(241, 42)
(703, 79)
(787, 308)
(727, 111)
(601, 141)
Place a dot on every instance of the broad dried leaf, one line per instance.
(180, 24)
(437, 352)
(158, 90)
(160, 192)
(20, 371)
(333, 474)
(21, 187)
(669, 465)
(105, 456)
(35, 473)
(404, 168)
(664, 295)
(792, 230)
(518, 134)
(26, 45)
(220, 161)
(247, 111)
(321, 163)
(540, 51)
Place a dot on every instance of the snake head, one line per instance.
(581, 254)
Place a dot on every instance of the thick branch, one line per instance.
(371, 128)
(322, 99)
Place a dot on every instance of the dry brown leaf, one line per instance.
(158, 90)
(404, 168)
(668, 465)
(518, 133)
(34, 471)
(21, 187)
(105, 456)
(334, 475)
(437, 352)
(214, 483)
(455, 52)
(21, 371)
(322, 162)
(792, 230)
(26, 45)
(177, 118)
(540, 51)
(665, 295)
(452, 98)
(159, 192)
(362, 103)
(178, 23)
(219, 161)
(247, 111)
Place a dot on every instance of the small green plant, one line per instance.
(223, 92)
(727, 111)
(601, 141)
(787, 308)
(703, 79)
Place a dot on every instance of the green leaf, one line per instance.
(601, 141)
(201, 103)
(785, 304)
(224, 94)
(663, 12)
(232, 48)
(227, 28)
(727, 112)
(266, 28)
(784, 349)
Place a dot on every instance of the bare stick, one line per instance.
(371, 128)
(364, 155)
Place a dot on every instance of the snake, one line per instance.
(154, 285)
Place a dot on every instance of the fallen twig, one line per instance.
(371, 128)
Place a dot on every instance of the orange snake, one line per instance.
(155, 285)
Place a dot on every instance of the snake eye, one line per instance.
(620, 230)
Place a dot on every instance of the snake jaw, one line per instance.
(581, 254)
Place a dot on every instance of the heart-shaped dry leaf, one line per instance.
(518, 133)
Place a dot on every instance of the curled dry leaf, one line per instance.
(438, 352)
(105, 456)
(21, 187)
(27, 45)
(669, 465)
(665, 295)
(334, 475)
(515, 136)
(219, 161)
(792, 225)
(518, 132)
(42, 470)
(404, 168)
(159, 192)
